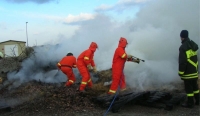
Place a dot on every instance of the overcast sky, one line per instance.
(50, 20)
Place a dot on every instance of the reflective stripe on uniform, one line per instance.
(194, 74)
(190, 95)
(189, 54)
(71, 81)
(180, 72)
(189, 77)
(111, 91)
(195, 92)
(86, 58)
(59, 64)
(123, 55)
(84, 83)
(194, 64)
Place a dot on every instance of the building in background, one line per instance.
(12, 48)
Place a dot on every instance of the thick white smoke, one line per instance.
(154, 35)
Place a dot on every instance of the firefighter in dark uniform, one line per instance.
(188, 69)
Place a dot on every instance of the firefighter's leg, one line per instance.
(71, 79)
(115, 83)
(196, 91)
(122, 83)
(85, 77)
(190, 95)
(68, 72)
(90, 83)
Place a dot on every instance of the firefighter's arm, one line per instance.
(122, 54)
(182, 62)
(74, 64)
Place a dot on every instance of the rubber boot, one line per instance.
(189, 103)
(196, 96)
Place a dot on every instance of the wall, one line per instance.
(21, 46)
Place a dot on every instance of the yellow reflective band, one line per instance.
(84, 83)
(190, 95)
(111, 91)
(180, 72)
(191, 53)
(89, 80)
(191, 62)
(195, 92)
(71, 81)
(123, 55)
(194, 74)
(59, 64)
(189, 77)
(86, 58)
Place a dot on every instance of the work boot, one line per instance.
(124, 92)
(189, 103)
(196, 96)
(186, 105)
(106, 95)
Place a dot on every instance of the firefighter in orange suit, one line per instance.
(119, 59)
(85, 63)
(66, 65)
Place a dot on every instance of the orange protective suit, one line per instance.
(66, 65)
(119, 59)
(83, 60)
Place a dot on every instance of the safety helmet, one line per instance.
(123, 42)
(93, 46)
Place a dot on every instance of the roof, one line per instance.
(12, 41)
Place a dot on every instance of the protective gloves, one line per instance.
(129, 56)
(89, 67)
(95, 69)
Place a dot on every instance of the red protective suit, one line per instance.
(66, 65)
(119, 59)
(83, 60)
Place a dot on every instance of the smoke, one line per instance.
(154, 35)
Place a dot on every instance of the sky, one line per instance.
(151, 27)
(50, 20)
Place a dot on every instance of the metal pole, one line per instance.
(26, 33)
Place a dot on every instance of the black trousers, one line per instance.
(191, 86)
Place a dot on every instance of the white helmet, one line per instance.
(1, 54)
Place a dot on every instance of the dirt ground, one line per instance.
(36, 99)
(134, 110)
